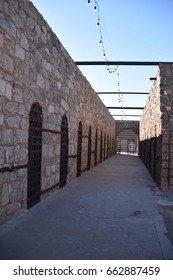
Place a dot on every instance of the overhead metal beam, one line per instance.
(153, 79)
(130, 108)
(127, 63)
(126, 115)
(112, 92)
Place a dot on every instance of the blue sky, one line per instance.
(133, 30)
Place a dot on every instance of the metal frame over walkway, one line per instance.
(122, 63)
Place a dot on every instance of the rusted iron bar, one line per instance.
(72, 156)
(49, 189)
(83, 170)
(50, 130)
(130, 108)
(4, 169)
(153, 79)
(125, 93)
(126, 63)
(126, 115)
(13, 168)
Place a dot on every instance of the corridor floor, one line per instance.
(109, 212)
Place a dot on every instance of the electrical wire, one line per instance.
(110, 70)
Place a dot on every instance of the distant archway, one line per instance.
(127, 142)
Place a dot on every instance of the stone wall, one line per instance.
(156, 128)
(166, 107)
(150, 122)
(36, 69)
(132, 125)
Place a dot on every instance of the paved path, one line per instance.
(109, 212)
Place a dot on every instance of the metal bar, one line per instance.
(13, 168)
(49, 189)
(111, 92)
(72, 156)
(127, 63)
(4, 169)
(131, 108)
(21, 166)
(50, 130)
(83, 170)
(153, 79)
(126, 115)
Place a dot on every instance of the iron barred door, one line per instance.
(95, 160)
(64, 152)
(104, 146)
(101, 147)
(34, 155)
(79, 149)
(89, 149)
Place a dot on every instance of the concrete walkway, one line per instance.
(109, 212)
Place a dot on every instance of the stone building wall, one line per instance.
(166, 107)
(150, 122)
(36, 69)
(121, 125)
(156, 128)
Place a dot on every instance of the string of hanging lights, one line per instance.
(109, 69)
